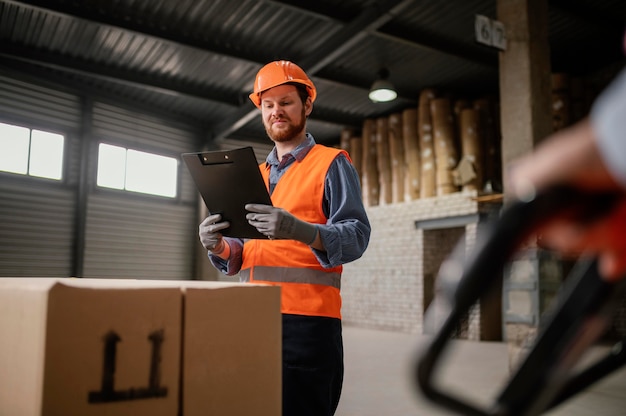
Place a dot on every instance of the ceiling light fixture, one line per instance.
(382, 90)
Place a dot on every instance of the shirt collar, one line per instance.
(298, 153)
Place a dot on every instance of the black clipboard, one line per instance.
(228, 180)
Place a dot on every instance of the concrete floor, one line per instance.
(378, 383)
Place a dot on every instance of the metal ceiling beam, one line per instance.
(420, 39)
(318, 10)
(52, 79)
(35, 67)
(375, 17)
(175, 36)
(136, 79)
(82, 10)
(367, 20)
(385, 10)
(117, 75)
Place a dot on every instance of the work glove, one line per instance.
(276, 223)
(210, 237)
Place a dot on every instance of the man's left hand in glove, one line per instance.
(276, 223)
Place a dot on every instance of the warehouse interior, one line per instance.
(173, 77)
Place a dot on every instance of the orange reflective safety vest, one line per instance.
(307, 288)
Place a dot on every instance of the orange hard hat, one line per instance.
(278, 73)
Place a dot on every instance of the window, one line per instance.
(132, 170)
(31, 152)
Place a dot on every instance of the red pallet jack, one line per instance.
(582, 313)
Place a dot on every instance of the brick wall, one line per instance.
(385, 289)
(390, 286)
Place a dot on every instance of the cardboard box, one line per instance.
(232, 361)
(115, 347)
(89, 347)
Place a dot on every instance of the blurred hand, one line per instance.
(604, 237)
(279, 224)
(570, 157)
(209, 234)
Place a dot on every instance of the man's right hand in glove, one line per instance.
(209, 232)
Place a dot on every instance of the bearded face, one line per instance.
(284, 114)
(283, 128)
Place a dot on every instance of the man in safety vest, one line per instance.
(316, 224)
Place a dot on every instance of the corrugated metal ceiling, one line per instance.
(197, 58)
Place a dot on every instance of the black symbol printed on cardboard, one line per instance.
(107, 391)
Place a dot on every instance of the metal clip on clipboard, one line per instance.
(582, 312)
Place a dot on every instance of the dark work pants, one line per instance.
(312, 365)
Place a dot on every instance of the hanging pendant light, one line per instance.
(382, 90)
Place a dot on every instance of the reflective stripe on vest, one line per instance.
(292, 275)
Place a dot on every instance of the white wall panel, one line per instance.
(138, 238)
(126, 234)
(41, 106)
(37, 215)
(36, 228)
(151, 134)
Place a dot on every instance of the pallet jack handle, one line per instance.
(582, 313)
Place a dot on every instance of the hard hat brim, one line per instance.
(255, 97)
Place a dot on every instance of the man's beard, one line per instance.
(285, 135)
